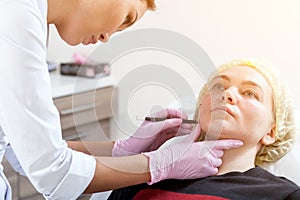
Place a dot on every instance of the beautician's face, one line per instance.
(237, 106)
(98, 19)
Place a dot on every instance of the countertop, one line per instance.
(63, 85)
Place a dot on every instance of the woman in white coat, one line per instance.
(30, 121)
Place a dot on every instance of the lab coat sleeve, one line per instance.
(13, 160)
(27, 112)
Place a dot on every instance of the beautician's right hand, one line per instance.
(151, 135)
(188, 159)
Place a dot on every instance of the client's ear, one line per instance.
(269, 138)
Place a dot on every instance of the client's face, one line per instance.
(238, 105)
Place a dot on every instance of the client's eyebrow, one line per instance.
(221, 77)
(252, 83)
(247, 82)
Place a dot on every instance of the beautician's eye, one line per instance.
(218, 87)
(127, 20)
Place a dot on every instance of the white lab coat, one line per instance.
(28, 117)
(7, 152)
(5, 190)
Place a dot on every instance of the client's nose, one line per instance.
(104, 37)
(228, 97)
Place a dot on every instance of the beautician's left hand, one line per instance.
(151, 135)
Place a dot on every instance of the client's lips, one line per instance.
(93, 40)
(223, 108)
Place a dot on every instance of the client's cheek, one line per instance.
(204, 115)
(204, 122)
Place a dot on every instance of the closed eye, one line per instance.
(130, 19)
(127, 20)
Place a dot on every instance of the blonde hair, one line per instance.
(282, 110)
(151, 4)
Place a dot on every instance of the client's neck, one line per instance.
(238, 159)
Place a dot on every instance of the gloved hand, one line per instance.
(151, 135)
(188, 159)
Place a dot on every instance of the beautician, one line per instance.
(31, 123)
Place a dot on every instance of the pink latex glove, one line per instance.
(151, 135)
(188, 159)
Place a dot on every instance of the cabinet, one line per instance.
(84, 116)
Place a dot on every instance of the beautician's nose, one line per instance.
(228, 96)
(104, 37)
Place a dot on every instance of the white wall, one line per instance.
(228, 29)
